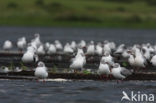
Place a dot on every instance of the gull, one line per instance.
(7, 45)
(40, 50)
(79, 51)
(112, 45)
(98, 49)
(41, 71)
(4, 69)
(125, 53)
(78, 62)
(68, 49)
(17, 69)
(139, 59)
(58, 45)
(73, 45)
(37, 40)
(131, 60)
(31, 48)
(103, 69)
(120, 72)
(120, 49)
(82, 44)
(91, 48)
(29, 57)
(108, 58)
(107, 48)
(52, 49)
(46, 46)
(153, 60)
(21, 43)
(146, 52)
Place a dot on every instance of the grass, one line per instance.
(78, 13)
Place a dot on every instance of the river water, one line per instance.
(127, 36)
(19, 91)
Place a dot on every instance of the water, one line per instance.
(127, 36)
(19, 91)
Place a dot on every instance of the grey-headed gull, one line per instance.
(120, 49)
(58, 45)
(153, 60)
(120, 72)
(29, 57)
(4, 69)
(52, 49)
(21, 43)
(17, 69)
(98, 49)
(91, 48)
(82, 44)
(73, 45)
(41, 71)
(108, 58)
(107, 48)
(7, 45)
(104, 69)
(37, 40)
(40, 50)
(68, 49)
(78, 62)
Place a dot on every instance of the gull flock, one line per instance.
(138, 56)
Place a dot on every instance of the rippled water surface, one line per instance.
(127, 36)
(19, 91)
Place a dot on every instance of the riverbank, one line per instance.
(78, 13)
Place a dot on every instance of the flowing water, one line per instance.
(23, 91)
(19, 91)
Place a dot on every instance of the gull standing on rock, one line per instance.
(4, 69)
(104, 69)
(139, 59)
(120, 72)
(41, 71)
(78, 62)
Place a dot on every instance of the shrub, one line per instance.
(151, 2)
(121, 9)
(74, 17)
(39, 3)
(12, 5)
(135, 18)
(54, 6)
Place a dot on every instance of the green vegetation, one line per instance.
(79, 13)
